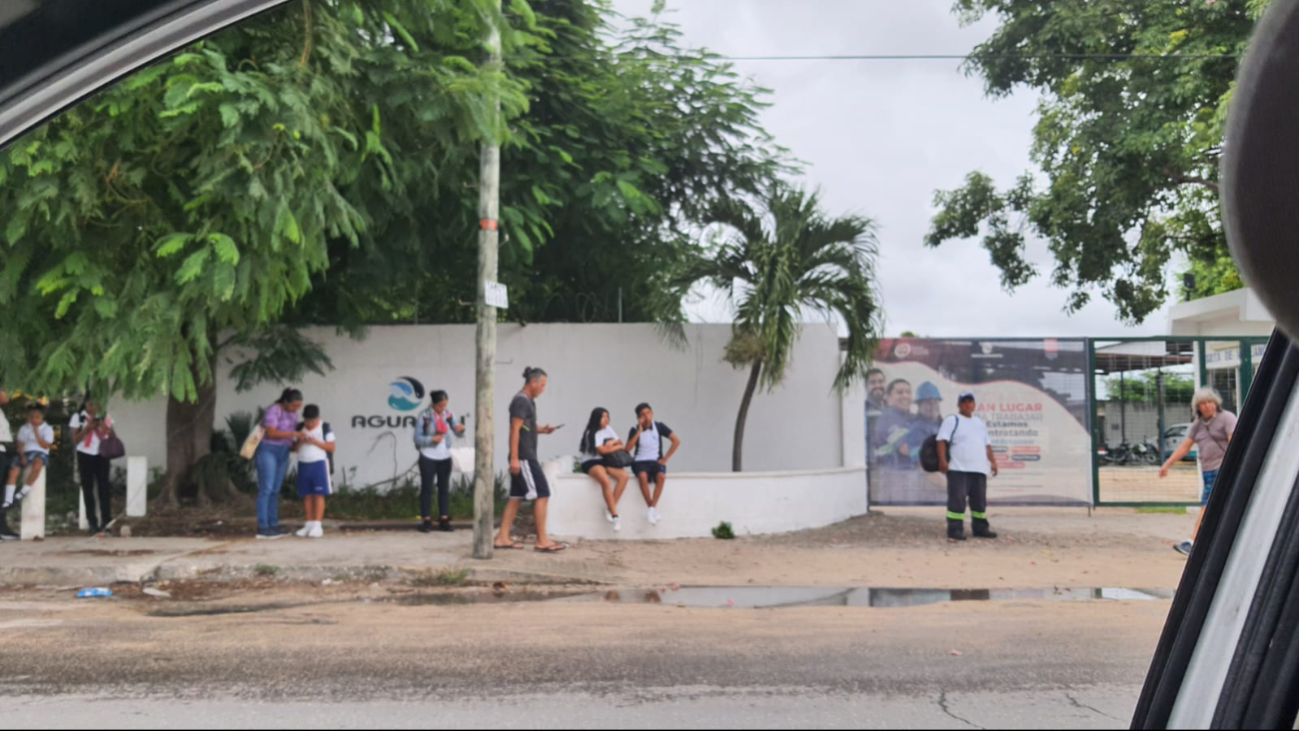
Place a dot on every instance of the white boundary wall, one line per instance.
(693, 504)
(804, 425)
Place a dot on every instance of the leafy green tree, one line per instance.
(628, 141)
(319, 165)
(1134, 96)
(1144, 388)
(779, 265)
(183, 213)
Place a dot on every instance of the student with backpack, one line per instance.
(651, 457)
(315, 450)
(964, 451)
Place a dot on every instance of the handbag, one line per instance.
(249, 450)
(462, 460)
(111, 447)
(619, 460)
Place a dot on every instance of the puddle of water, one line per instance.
(756, 597)
(739, 597)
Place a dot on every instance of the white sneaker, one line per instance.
(653, 516)
(317, 531)
(609, 516)
(306, 529)
(617, 525)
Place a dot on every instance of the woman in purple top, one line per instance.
(272, 460)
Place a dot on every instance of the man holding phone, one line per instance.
(527, 480)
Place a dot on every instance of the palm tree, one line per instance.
(777, 266)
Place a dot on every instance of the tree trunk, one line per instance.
(737, 456)
(189, 439)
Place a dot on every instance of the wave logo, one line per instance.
(405, 394)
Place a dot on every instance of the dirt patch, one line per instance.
(215, 522)
(1057, 548)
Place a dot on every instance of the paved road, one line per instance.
(355, 658)
(1100, 707)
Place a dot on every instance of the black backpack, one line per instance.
(929, 450)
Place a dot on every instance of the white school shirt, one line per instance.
(310, 453)
(603, 437)
(79, 420)
(27, 439)
(969, 451)
(5, 434)
(648, 449)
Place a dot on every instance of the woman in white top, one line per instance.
(599, 441)
(435, 429)
(89, 428)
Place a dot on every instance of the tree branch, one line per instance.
(1192, 180)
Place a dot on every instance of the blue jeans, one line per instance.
(1209, 479)
(272, 465)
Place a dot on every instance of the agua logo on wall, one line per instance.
(405, 394)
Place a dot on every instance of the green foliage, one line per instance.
(1144, 388)
(628, 140)
(203, 195)
(266, 571)
(401, 501)
(1219, 276)
(453, 578)
(776, 267)
(1134, 96)
(724, 532)
(787, 262)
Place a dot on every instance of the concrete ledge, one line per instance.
(754, 503)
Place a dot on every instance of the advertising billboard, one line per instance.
(1033, 395)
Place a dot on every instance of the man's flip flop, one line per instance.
(557, 548)
(511, 547)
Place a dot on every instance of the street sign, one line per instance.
(497, 295)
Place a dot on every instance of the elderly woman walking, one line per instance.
(1210, 434)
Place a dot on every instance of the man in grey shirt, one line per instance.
(527, 480)
(1211, 435)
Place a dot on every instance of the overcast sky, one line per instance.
(879, 137)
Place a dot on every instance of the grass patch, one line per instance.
(448, 578)
(401, 501)
(266, 570)
(724, 532)
(1163, 510)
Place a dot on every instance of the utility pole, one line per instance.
(489, 203)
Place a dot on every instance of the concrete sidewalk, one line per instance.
(902, 547)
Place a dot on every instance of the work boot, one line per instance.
(982, 529)
(955, 530)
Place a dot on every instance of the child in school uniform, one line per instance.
(315, 457)
(35, 439)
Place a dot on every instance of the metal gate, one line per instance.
(1141, 411)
